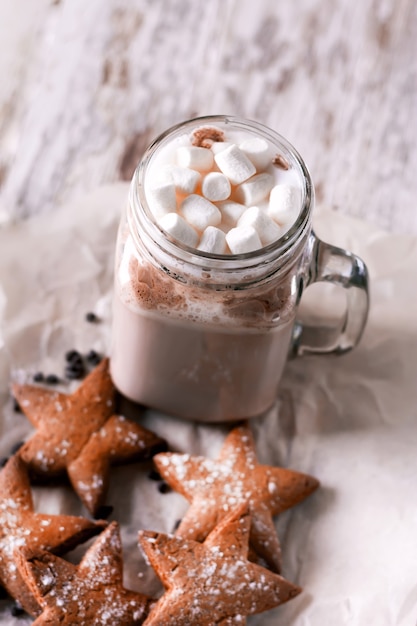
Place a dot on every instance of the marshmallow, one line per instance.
(218, 146)
(167, 152)
(213, 240)
(227, 196)
(284, 204)
(178, 228)
(243, 239)
(258, 151)
(235, 164)
(184, 179)
(216, 186)
(199, 212)
(255, 189)
(162, 199)
(194, 157)
(231, 212)
(264, 225)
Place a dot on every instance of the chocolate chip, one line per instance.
(74, 373)
(103, 512)
(3, 461)
(16, 406)
(154, 475)
(164, 487)
(17, 610)
(91, 317)
(176, 525)
(75, 369)
(16, 447)
(52, 379)
(73, 356)
(38, 377)
(93, 357)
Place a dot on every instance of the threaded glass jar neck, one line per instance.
(231, 271)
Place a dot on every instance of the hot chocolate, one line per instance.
(209, 357)
(214, 251)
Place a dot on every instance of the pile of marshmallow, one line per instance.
(223, 197)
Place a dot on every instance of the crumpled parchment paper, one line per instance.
(351, 421)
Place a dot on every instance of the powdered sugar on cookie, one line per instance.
(215, 487)
(213, 581)
(21, 527)
(66, 441)
(91, 593)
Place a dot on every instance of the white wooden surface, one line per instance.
(84, 86)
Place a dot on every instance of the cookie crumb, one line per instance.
(207, 135)
(281, 162)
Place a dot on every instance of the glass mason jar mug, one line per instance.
(204, 335)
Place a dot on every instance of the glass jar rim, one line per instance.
(144, 220)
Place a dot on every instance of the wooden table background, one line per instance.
(86, 84)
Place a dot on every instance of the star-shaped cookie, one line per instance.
(213, 582)
(21, 526)
(214, 487)
(80, 434)
(88, 594)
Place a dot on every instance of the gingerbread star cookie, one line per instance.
(80, 434)
(211, 583)
(21, 526)
(214, 487)
(88, 594)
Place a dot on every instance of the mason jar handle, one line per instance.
(335, 265)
